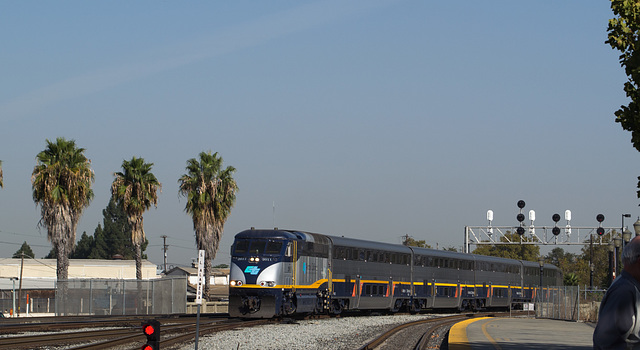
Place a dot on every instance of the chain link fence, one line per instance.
(569, 303)
(121, 297)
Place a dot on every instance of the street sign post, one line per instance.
(199, 291)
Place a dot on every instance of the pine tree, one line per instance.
(100, 247)
(83, 247)
(109, 239)
(26, 249)
(116, 234)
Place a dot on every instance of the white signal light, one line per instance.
(567, 215)
(489, 215)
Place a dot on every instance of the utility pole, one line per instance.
(20, 288)
(591, 262)
(164, 248)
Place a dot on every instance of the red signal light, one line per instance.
(151, 329)
(148, 329)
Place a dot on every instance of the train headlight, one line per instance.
(267, 284)
(235, 283)
(252, 259)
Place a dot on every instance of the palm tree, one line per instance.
(210, 193)
(61, 183)
(136, 189)
(571, 279)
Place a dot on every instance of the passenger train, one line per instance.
(283, 272)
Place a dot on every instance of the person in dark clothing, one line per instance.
(618, 324)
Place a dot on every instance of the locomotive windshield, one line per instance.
(257, 247)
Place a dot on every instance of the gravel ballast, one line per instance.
(325, 334)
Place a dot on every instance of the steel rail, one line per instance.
(186, 334)
(128, 332)
(423, 343)
(438, 322)
(386, 335)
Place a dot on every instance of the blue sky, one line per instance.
(368, 119)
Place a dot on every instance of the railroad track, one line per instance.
(178, 331)
(174, 331)
(432, 332)
(61, 323)
(179, 335)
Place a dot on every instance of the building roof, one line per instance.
(192, 271)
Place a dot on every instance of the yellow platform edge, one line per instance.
(458, 334)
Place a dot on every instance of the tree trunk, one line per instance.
(207, 276)
(138, 261)
(62, 260)
(62, 273)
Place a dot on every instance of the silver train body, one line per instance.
(281, 272)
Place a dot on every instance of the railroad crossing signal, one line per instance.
(151, 328)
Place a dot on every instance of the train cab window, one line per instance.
(257, 246)
(274, 247)
(241, 246)
(360, 254)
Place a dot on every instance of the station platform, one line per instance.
(490, 333)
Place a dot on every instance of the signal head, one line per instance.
(151, 329)
(600, 218)
(520, 217)
(555, 217)
(555, 231)
(520, 230)
(600, 231)
(521, 204)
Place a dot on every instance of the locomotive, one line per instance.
(284, 272)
